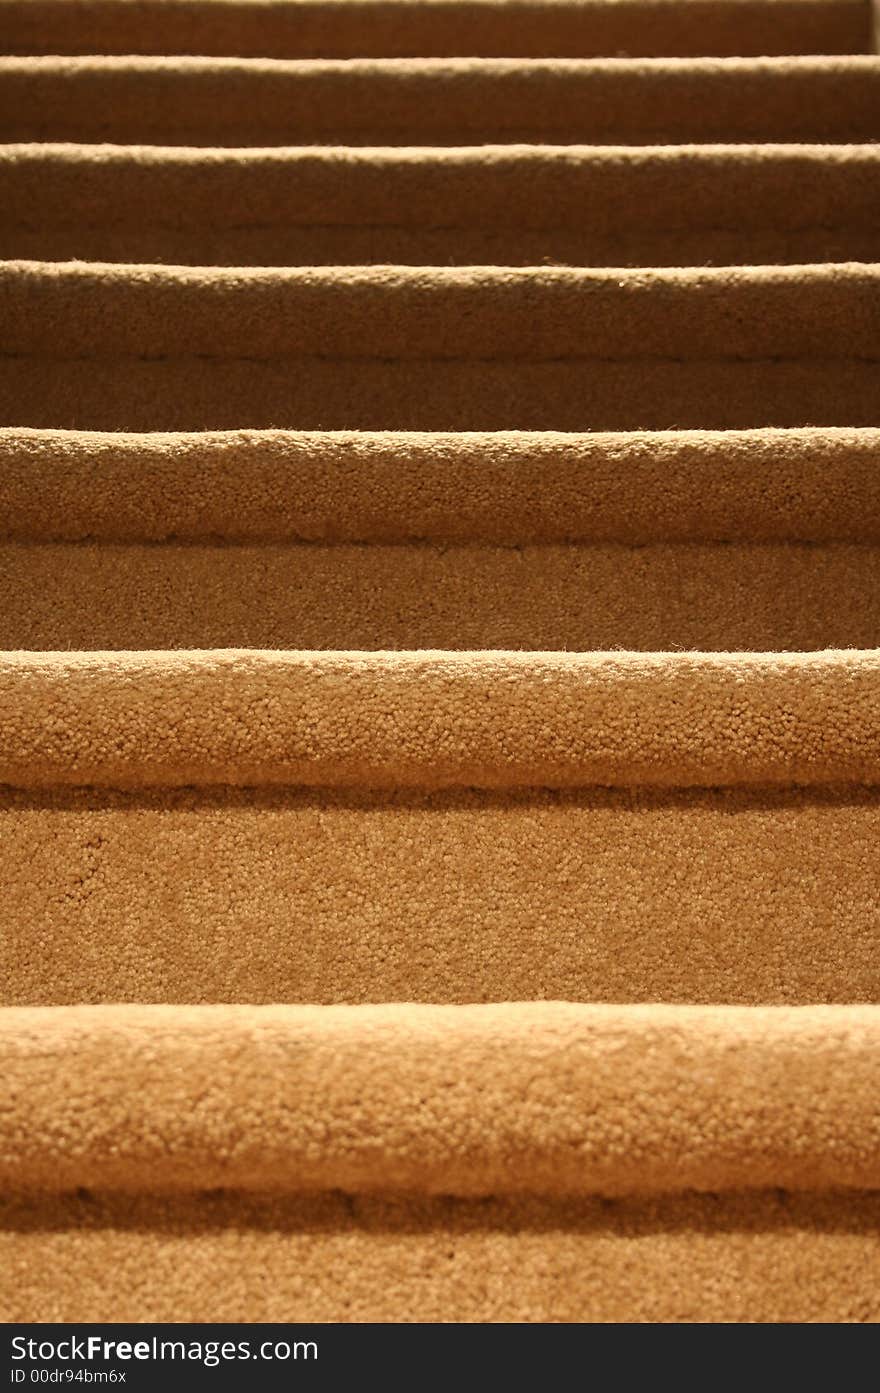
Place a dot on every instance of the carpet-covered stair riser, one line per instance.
(174, 391)
(488, 204)
(197, 101)
(736, 1256)
(609, 895)
(104, 346)
(439, 667)
(786, 596)
(388, 28)
(750, 896)
(739, 540)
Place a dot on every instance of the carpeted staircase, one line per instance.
(440, 688)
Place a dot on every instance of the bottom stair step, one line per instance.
(527, 1161)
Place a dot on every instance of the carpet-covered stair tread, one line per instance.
(432, 827)
(386, 28)
(526, 205)
(99, 310)
(97, 345)
(282, 539)
(550, 1098)
(752, 1127)
(507, 488)
(615, 101)
(439, 720)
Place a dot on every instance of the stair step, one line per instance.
(586, 1101)
(551, 1098)
(498, 205)
(443, 28)
(506, 488)
(615, 101)
(175, 348)
(439, 720)
(100, 310)
(356, 828)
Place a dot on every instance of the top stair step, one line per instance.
(441, 28)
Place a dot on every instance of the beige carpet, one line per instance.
(439, 661)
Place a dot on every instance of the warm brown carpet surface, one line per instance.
(544, 1097)
(434, 720)
(503, 488)
(439, 660)
(399, 28)
(424, 101)
(582, 205)
(348, 895)
(771, 1255)
(93, 345)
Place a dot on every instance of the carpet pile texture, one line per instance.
(439, 660)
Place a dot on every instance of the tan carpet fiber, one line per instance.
(147, 347)
(440, 28)
(583, 205)
(439, 660)
(424, 101)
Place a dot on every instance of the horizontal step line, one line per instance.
(502, 359)
(352, 224)
(724, 154)
(728, 69)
